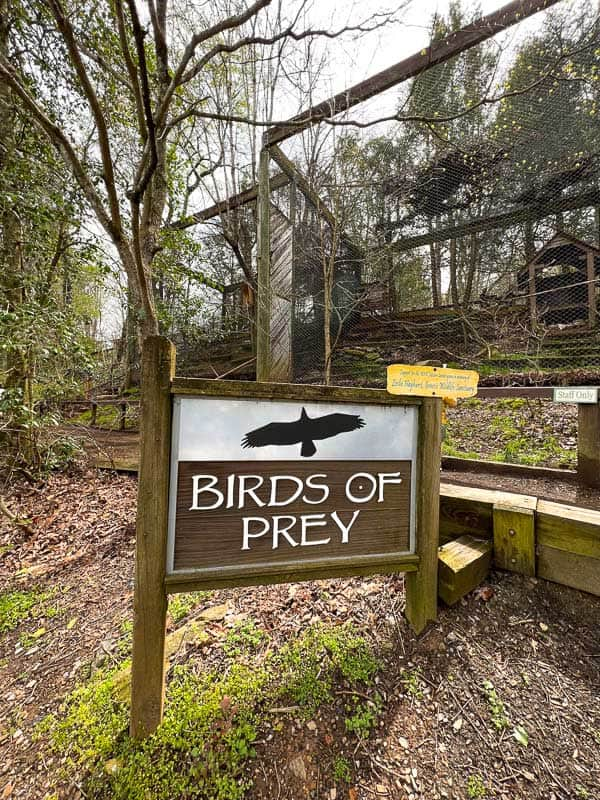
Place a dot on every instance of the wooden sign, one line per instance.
(576, 394)
(261, 488)
(405, 379)
(251, 483)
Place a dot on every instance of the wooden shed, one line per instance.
(562, 281)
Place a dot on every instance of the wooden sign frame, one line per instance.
(153, 584)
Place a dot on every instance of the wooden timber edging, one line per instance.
(454, 463)
(557, 542)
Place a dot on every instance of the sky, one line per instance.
(353, 58)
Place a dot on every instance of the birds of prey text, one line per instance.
(306, 430)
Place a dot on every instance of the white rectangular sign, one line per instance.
(576, 394)
(256, 482)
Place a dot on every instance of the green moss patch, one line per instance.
(211, 719)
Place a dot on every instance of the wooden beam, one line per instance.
(292, 171)
(514, 538)
(263, 304)
(506, 220)
(437, 53)
(588, 444)
(223, 206)
(538, 392)
(591, 278)
(463, 564)
(422, 586)
(150, 597)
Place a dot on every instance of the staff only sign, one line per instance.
(267, 486)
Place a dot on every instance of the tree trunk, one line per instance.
(472, 269)
(436, 293)
(453, 276)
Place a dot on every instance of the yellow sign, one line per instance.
(431, 381)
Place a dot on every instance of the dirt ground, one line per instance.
(439, 733)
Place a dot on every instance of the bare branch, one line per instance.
(63, 145)
(105, 150)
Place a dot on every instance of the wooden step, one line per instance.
(462, 565)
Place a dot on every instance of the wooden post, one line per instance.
(122, 416)
(588, 444)
(93, 415)
(150, 599)
(532, 295)
(422, 586)
(263, 307)
(591, 279)
(514, 538)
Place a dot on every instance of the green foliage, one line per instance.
(342, 770)
(211, 719)
(364, 717)
(476, 787)
(244, 637)
(16, 607)
(498, 711)
(308, 665)
(181, 604)
(413, 683)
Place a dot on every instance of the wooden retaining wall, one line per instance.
(532, 537)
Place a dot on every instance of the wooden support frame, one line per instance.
(150, 597)
(588, 444)
(514, 538)
(421, 586)
(263, 311)
(591, 279)
(437, 53)
(153, 582)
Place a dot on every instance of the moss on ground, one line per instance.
(211, 719)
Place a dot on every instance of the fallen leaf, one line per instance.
(484, 593)
(520, 735)
(71, 623)
(543, 627)
(457, 724)
(352, 793)
(7, 791)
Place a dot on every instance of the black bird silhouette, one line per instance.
(304, 430)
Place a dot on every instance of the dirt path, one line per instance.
(442, 732)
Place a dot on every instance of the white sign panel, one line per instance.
(576, 394)
(258, 482)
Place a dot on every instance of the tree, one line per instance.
(103, 73)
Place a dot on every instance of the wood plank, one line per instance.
(288, 166)
(575, 530)
(514, 538)
(437, 53)
(463, 565)
(588, 444)
(263, 300)
(150, 598)
(592, 285)
(214, 538)
(455, 464)
(498, 221)
(379, 565)
(288, 391)
(224, 206)
(421, 586)
(569, 569)
(469, 510)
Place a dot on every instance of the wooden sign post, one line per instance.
(254, 483)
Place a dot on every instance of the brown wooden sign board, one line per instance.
(253, 483)
(262, 489)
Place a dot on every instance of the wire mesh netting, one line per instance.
(465, 232)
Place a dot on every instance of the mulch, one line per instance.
(537, 643)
